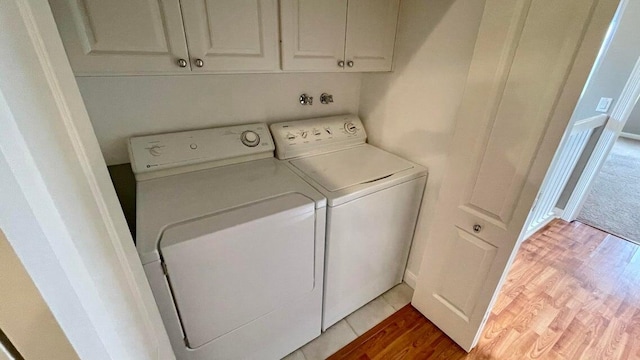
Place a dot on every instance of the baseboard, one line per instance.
(410, 278)
(630, 136)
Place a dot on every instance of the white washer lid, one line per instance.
(345, 168)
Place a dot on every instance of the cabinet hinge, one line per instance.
(164, 268)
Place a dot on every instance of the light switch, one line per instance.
(604, 104)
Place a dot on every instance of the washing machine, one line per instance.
(373, 201)
(232, 243)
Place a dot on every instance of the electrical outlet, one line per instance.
(604, 104)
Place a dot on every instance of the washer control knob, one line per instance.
(350, 128)
(304, 134)
(155, 150)
(250, 138)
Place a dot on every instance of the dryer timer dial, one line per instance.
(250, 138)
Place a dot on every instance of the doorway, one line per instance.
(605, 107)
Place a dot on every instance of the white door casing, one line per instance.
(122, 36)
(529, 65)
(313, 34)
(371, 34)
(59, 210)
(232, 35)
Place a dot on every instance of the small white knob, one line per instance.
(251, 136)
(350, 128)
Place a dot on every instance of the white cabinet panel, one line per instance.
(371, 34)
(121, 36)
(232, 35)
(313, 34)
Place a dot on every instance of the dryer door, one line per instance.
(231, 268)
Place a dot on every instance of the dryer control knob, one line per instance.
(350, 128)
(250, 138)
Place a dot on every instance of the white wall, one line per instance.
(34, 332)
(120, 107)
(633, 124)
(611, 73)
(411, 111)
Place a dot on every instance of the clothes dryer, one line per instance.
(232, 243)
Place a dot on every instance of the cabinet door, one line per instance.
(371, 34)
(121, 36)
(313, 34)
(232, 35)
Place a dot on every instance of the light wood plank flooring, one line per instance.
(573, 292)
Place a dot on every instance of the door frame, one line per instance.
(59, 210)
(619, 116)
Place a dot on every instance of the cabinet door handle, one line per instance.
(477, 228)
(182, 63)
(199, 63)
(341, 63)
(350, 63)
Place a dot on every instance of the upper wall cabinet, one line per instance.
(232, 35)
(138, 37)
(148, 36)
(313, 34)
(338, 35)
(122, 36)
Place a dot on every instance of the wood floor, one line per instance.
(573, 292)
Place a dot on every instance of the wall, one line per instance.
(24, 316)
(608, 78)
(633, 124)
(613, 69)
(120, 107)
(412, 111)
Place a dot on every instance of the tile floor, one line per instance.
(354, 325)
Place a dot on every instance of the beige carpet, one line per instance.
(614, 202)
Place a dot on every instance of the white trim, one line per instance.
(572, 146)
(551, 216)
(617, 120)
(630, 136)
(74, 244)
(410, 278)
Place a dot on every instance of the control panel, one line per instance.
(316, 136)
(166, 151)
